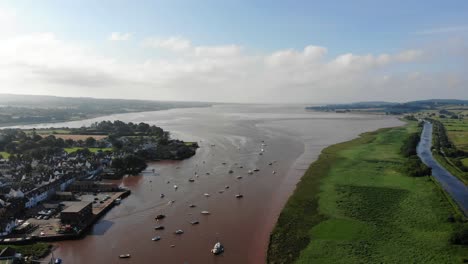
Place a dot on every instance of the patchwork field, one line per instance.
(356, 205)
(78, 137)
(94, 150)
(457, 131)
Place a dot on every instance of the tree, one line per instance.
(90, 142)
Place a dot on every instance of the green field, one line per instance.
(465, 162)
(93, 150)
(457, 131)
(356, 205)
(4, 154)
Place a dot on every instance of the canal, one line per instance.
(451, 184)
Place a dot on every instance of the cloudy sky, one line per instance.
(236, 51)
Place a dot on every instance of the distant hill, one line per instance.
(26, 109)
(391, 108)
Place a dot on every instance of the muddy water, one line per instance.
(230, 134)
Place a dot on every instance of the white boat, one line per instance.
(179, 232)
(156, 238)
(239, 177)
(124, 256)
(250, 172)
(118, 200)
(239, 196)
(217, 249)
(206, 194)
(205, 212)
(274, 172)
(175, 187)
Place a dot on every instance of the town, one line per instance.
(51, 184)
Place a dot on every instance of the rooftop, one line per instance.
(75, 207)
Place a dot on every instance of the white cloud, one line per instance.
(175, 44)
(43, 63)
(118, 36)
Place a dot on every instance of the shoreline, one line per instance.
(303, 212)
(33, 124)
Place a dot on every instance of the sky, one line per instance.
(236, 51)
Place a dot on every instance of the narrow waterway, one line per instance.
(230, 138)
(451, 184)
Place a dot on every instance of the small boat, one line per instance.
(171, 202)
(194, 222)
(271, 163)
(261, 153)
(162, 195)
(175, 187)
(160, 216)
(241, 167)
(118, 200)
(239, 177)
(172, 246)
(205, 212)
(256, 169)
(124, 256)
(226, 187)
(207, 173)
(224, 163)
(58, 261)
(220, 191)
(156, 238)
(274, 172)
(179, 232)
(191, 180)
(231, 171)
(239, 196)
(250, 172)
(192, 206)
(217, 249)
(262, 150)
(206, 194)
(159, 227)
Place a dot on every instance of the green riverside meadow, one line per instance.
(356, 204)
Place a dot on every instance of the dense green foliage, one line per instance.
(130, 164)
(460, 235)
(356, 205)
(36, 250)
(413, 165)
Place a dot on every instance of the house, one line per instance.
(7, 225)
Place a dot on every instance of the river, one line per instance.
(453, 186)
(230, 134)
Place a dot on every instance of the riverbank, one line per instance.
(355, 205)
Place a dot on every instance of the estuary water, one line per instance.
(230, 137)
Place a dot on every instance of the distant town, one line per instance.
(50, 179)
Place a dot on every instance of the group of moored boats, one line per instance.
(218, 248)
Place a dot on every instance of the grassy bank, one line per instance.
(93, 150)
(355, 204)
(37, 250)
